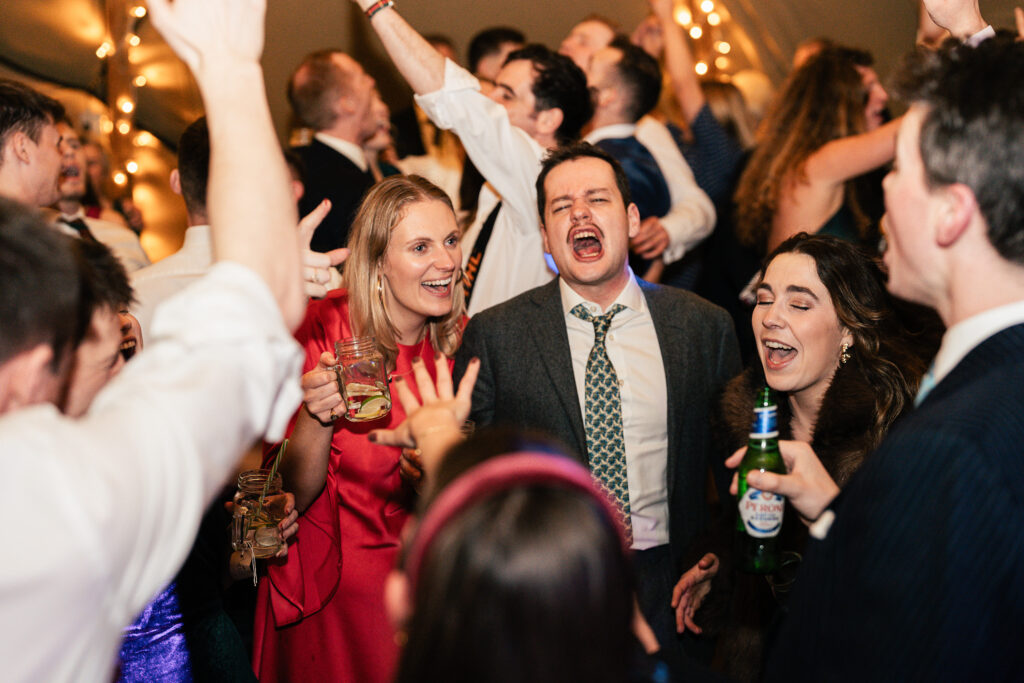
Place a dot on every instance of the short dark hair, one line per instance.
(313, 87)
(640, 74)
(973, 128)
(558, 84)
(26, 110)
(194, 164)
(40, 285)
(579, 150)
(489, 41)
(105, 276)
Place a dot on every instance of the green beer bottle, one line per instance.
(759, 517)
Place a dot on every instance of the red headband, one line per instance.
(499, 474)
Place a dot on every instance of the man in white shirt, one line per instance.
(72, 184)
(331, 93)
(111, 501)
(173, 273)
(540, 100)
(671, 351)
(915, 571)
(626, 82)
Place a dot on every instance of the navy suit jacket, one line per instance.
(526, 380)
(329, 174)
(921, 576)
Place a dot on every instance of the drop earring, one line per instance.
(844, 353)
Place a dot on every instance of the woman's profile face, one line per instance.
(421, 265)
(799, 336)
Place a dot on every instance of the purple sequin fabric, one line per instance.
(154, 648)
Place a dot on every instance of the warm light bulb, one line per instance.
(120, 178)
(144, 138)
(104, 50)
(723, 47)
(126, 105)
(134, 40)
(701, 68)
(714, 19)
(683, 16)
(140, 81)
(138, 11)
(106, 125)
(696, 32)
(722, 63)
(131, 167)
(707, 7)
(124, 128)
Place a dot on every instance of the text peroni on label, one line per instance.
(761, 512)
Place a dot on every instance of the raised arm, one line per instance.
(962, 18)
(419, 63)
(221, 43)
(679, 61)
(854, 155)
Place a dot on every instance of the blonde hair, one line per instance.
(384, 206)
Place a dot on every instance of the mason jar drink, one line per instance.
(362, 379)
(259, 508)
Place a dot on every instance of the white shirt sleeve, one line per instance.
(692, 216)
(102, 510)
(505, 155)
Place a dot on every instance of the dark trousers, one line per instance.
(687, 655)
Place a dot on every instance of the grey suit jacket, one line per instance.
(526, 380)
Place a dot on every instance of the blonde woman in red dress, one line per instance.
(320, 614)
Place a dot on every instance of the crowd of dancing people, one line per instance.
(561, 278)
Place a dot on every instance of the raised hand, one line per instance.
(690, 591)
(962, 18)
(437, 423)
(203, 32)
(651, 240)
(316, 265)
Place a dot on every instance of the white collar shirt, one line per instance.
(349, 150)
(633, 349)
(510, 160)
(167, 277)
(960, 339)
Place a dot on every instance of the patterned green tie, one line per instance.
(606, 449)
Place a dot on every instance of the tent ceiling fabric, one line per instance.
(57, 39)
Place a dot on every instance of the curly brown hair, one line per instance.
(821, 101)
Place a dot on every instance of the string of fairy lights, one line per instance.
(118, 123)
(705, 21)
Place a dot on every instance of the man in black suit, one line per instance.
(331, 94)
(670, 353)
(916, 571)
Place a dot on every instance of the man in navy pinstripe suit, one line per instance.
(916, 570)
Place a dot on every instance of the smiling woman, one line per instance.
(403, 280)
(844, 369)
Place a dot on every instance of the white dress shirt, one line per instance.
(349, 150)
(633, 349)
(960, 339)
(510, 160)
(122, 241)
(692, 216)
(102, 510)
(170, 275)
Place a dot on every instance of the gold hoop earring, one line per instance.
(844, 353)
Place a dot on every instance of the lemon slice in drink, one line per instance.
(359, 389)
(372, 407)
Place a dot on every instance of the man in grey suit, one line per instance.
(623, 372)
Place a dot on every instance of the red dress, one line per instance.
(320, 615)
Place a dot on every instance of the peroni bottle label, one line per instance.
(761, 512)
